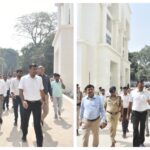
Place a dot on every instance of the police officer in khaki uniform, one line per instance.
(113, 106)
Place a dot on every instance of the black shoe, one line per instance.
(124, 136)
(24, 139)
(142, 145)
(39, 145)
(1, 120)
(127, 130)
(15, 123)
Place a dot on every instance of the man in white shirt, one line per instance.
(14, 90)
(125, 98)
(139, 104)
(147, 117)
(6, 98)
(31, 93)
(12, 77)
(3, 90)
(103, 96)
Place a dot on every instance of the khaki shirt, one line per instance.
(113, 104)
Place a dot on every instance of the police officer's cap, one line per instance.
(112, 89)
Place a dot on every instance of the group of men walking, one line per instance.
(31, 92)
(97, 111)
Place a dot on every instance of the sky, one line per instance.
(10, 10)
(140, 26)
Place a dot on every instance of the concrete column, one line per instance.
(59, 15)
(66, 14)
(104, 23)
(82, 65)
(71, 13)
(79, 21)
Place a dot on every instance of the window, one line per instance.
(109, 24)
(108, 39)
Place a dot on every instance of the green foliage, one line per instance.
(40, 54)
(140, 64)
(8, 60)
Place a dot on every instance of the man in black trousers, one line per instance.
(139, 101)
(15, 96)
(31, 93)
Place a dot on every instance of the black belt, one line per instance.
(113, 113)
(1, 94)
(139, 111)
(93, 119)
(32, 101)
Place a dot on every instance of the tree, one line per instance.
(26, 57)
(48, 51)
(133, 58)
(41, 55)
(140, 64)
(144, 57)
(36, 26)
(8, 60)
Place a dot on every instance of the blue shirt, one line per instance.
(56, 89)
(92, 108)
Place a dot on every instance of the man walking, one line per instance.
(125, 98)
(79, 98)
(90, 111)
(147, 117)
(103, 96)
(47, 89)
(57, 86)
(3, 91)
(6, 98)
(14, 90)
(31, 91)
(139, 104)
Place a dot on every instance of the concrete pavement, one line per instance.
(104, 140)
(54, 130)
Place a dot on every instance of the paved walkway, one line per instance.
(105, 139)
(54, 131)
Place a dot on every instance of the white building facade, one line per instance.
(63, 45)
(102, 45)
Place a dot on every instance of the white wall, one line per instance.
(93, 53)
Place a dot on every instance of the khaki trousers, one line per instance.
(45, 108)
(88, 126)
(78, 113)
(112, 123)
